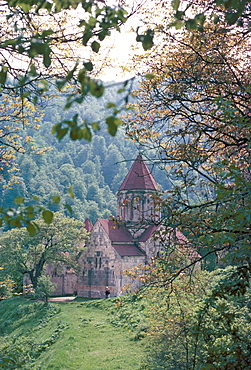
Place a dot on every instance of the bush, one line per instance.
(44, 288)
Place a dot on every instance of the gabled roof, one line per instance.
(148, 233)
(88, 225)
(115, 232)
(122, 241)
(177, 235)
(181, 237)
(139, 177)
(128, 250)
(120, 238)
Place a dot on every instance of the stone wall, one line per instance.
(101, 265)
(97, 266)
(66, 284)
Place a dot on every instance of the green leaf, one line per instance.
(60, 84)
(95, 126)
(47, 216)
(30, 212)
(55, 128)
(92, 22)
(61, 133)
(87, 5)
(25, 94)
(31, 229)
(150, 76)
(88, 66)
(46, 33)
(86, 37)
(75, 120)
(179, 14)
(19, 200)
(175, 4)
(76, 133)
(82, 76)
(111, 105)
(87, 135)
(231, 18)
(112, 124)
(70, 191)
(96, 89)
(3, 75)
(95, 46)
(216, 19)
(56, 199)
(47, 60)
(25, 6)
(16, 223)
(191, 24)
(68, 207)
(12, 42)
(34, 100)
(178, 24)
(200, 18)
(102, 35)
(146, 39)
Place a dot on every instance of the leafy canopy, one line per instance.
(56, 241)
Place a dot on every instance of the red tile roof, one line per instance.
(128, 250)
(181, 237)
(121, 238)
(116, 232)
(177, 236)
(139, 177)
(88, 225)
(148, 233)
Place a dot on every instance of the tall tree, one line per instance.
(192, 116)
(193, 112)
(58, 242)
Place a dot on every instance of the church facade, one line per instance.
(120, 244)
(117, 245)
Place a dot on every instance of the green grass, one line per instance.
(73, 335)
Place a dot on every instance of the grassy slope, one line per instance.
(73, 335)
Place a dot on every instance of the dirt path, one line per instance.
(61, 299)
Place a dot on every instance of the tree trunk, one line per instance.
(36, 272)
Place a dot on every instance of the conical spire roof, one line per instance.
(139, 177)
(88, 225)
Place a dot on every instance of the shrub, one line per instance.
(44, 288)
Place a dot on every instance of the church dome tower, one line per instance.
(136, 205)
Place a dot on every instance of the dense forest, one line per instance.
(93, 170)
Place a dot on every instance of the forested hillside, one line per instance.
(94, 170)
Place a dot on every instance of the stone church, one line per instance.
(117, 245)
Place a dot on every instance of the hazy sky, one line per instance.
(121, 43)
